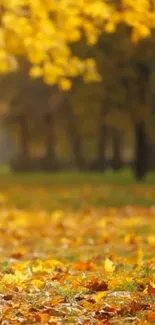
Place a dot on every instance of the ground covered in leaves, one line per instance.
(86, 266)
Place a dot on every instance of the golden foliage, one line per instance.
(43, 31)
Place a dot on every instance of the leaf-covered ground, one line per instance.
(64, 264)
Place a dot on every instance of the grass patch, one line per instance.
(76, 190)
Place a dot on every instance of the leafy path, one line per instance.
(94, 266)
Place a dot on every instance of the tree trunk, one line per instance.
(142, 144)
(116, 160)
(73, 134)
(103, 136)
(102, 146)
(23, 137)
(50, 142)
(142, 152)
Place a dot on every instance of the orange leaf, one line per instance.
(84, 266)
(151, 290)
(151, 317)
(42, 317)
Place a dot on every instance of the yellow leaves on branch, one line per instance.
(139, 32)
(139, 6)
(140, 15)
(43, 31)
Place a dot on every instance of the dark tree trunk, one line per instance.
(151, 164)
(143, 73)
(102, 147)
(73, 134)
(116, 160)
(103, 136)
(142, 150)
(50, 142)
(142, 144)
(23, 137)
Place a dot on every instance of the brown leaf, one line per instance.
(86, 322)
(137, 306)
(17, 255)
(109, 309)
(8, 297)
(97, 286)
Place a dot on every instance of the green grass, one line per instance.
(76, 190)
(124, 177)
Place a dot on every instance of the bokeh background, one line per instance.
(95, 126)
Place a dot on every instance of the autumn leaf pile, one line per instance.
(92, 266)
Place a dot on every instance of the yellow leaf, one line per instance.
(109, 266)
(65, 84)
(100, 295)
(57, 215)
(74, 36)
(140, 255)
(91, 63)
(36, 56)
(110, 27)
(92, 76)
(152, 282)
(36, 71)
(37, 283)
(16, 278)
(52, 263)
(140, 32)
(151, 240)
(53, 320)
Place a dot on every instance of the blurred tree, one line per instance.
(32, 105)
(23, 125)
(117, 149)
(130, 85)
(73, 133)
(51, 160)
(142, 150)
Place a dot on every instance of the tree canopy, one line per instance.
(43, 31)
